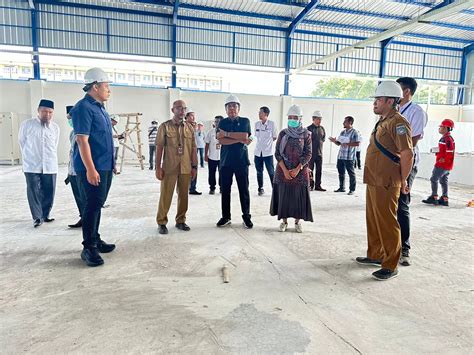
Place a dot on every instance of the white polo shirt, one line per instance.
(39, 146)
(417, 118)
(265, 134)
(214, 152)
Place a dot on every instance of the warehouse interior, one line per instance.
(288, 292)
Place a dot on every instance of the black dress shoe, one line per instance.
(47, 220)
(195, 192)
(92, 257)
(77, 225)
(183, 227)
(340, 190)
(103, 247)
(319, 188)
(162, 229)
(37, 223)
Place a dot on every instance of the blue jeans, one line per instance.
(268, 161)
(201, 156)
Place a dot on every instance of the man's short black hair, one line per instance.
(407, 82)
(265, 110)
(219, 117)
(350, 119)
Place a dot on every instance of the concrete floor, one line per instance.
(289, 293)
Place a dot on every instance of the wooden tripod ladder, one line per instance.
(132, 126)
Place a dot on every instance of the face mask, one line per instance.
(69, 122)
(293, 123)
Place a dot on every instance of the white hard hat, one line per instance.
(96, 75)
(200, 123)
(232, 98)
(317, 114)
(295, 110)
(116, 118)
(190, 110)
(389, 89)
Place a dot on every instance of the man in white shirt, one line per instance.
(213, 154)
(38, 139)
(266, 134)
(417, 118)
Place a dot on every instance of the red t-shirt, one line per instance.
(445, 156)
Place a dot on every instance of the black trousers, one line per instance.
(403, 211)
(357, 161)
(78, 192)
(40, 190)
(242, 177)
(342, 166)
(259, 163)
(213, 166)
(316, 164)
(95, 197)
(152, 151)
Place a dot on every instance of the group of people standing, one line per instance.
(389, 171)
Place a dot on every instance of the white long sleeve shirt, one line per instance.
(39, 146)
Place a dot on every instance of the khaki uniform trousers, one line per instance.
(383, 230)
(166, 195)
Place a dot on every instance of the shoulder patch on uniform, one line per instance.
(401, 129)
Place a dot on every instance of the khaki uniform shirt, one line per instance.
(394, 134)
(173, 136)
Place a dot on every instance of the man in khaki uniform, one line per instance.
(176, 145)
(387, 165)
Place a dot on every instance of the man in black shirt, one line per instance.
(234, 136)
(318, 136)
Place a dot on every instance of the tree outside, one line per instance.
(357, 89)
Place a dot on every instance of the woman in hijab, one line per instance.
(290, 197)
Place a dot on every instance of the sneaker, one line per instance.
(443, 201)
(283, 227)
(212, 191)
(261, 192)
(351, 193)
(432, 200)
(103, 247)
(37, 223)
(368, 261)
(298, 227)
(91, 257)
(405, 257)
(340, 190)
(195, 192)
(247, 222)
(385, 274)
(223, 222)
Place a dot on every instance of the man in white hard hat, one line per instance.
(388, 163)
(93, 160)
(38, 138)
(318, 136)
(417, 118)
(234, 136)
